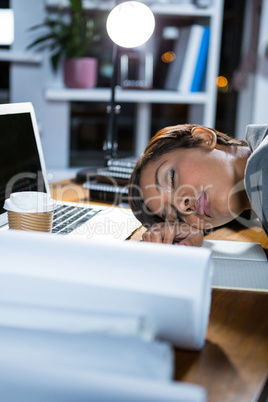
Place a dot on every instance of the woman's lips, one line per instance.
(202, 205)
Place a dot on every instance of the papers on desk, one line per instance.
(169, 286)
(72, 321)
(51, 366)
(99, 321)
(52, 385)
(238, 265)
(128, 356)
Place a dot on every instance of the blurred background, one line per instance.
(72, 121)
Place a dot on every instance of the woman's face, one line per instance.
(195, 184)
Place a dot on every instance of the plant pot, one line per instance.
(80, 72)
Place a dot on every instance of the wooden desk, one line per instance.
(233, 365)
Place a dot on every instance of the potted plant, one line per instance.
(76, 40)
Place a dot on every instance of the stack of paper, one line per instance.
(132, 279)
(91, 316)
(43, 385)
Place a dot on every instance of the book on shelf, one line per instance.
(195, 59)
(201, 62)
(165, 40)
(175, 67)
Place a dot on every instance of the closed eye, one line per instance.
(172, 178)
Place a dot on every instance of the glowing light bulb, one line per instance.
(130, 24)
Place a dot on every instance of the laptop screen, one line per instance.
(20, 168)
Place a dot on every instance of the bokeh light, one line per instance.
(221, 81)
(168, 57)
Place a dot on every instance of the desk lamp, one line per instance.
(130, 24)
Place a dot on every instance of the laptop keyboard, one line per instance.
(68, 218)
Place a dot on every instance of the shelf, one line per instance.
(20, 57)
(157, 8)
(124, 95)
(182, 10)
(54, 107)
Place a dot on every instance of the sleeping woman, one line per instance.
(191, 178)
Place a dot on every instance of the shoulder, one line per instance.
(255, 134)
(256, 174)
(257, 139)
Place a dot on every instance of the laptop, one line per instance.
(22, 168)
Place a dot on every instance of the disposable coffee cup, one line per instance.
(30, 210)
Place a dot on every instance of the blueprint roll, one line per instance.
(168, 288)
(43, 385)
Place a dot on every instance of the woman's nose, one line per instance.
(186, 204)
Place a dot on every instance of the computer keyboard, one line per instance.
(68, 218)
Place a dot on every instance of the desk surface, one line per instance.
(233, 365)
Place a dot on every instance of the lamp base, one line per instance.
(87, 174)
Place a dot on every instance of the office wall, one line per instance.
(260, 106)
(253, 99)
(29, 79)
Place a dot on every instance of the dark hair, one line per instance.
(166, 140)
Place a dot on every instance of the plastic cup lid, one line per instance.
(30, 202)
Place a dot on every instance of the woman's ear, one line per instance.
(208, 137)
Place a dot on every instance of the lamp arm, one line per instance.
(110, 143)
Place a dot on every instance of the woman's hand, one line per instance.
(174, 232)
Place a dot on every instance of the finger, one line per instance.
(194, 241)
(152, 235)
(185, 231)
(169, 234)
(156, 235)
